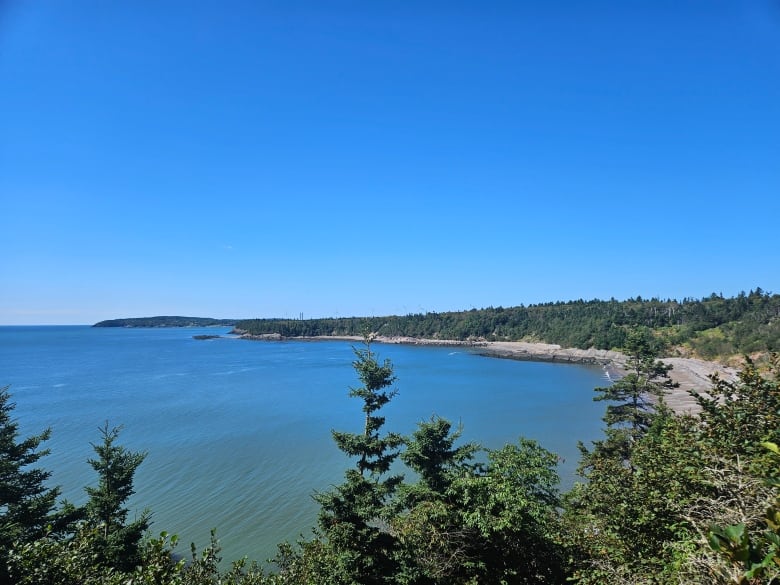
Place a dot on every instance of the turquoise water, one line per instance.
(238, 432)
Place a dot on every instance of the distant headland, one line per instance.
(167, 321)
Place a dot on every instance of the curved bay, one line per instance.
(238, 432)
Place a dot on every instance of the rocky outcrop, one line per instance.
(262, 337)
(548, 352)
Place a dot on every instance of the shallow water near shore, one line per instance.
(238, 432)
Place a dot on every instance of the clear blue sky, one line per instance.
(247, 159)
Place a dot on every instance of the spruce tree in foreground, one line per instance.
(117, 541)
(431, 453)
(352, 516)
(465, 522)
(633, 399)
(621, 472)
(26, 504)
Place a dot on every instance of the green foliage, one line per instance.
(755, 554)
(648, 519)
(738, 416)
(739, 533)
(634, 397)
(434, 544)
(757, 559)
(352, 514)
(203, 568)
(512, 508)
(26, 504)
(50, 560)
(310, 562)
(619, 525)
(117, 541)
(78, 561)
(432, 455)
(639, 478)
(375, 452)
(467, 523)
(462, 522)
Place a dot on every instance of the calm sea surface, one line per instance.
(238, 432)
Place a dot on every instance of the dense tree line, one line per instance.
(664, 498)
(711, 327)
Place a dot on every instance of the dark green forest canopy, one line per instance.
(710, 327)
(167, 321)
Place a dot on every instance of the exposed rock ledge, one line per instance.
(262, 337)
(689, 373)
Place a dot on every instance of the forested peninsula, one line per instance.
(711, 328)
(167, 321)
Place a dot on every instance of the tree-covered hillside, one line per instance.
(710, 327)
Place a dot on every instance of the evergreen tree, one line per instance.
(434, 542)
(117, 541)
(26, 504)
(513, 509)
(431, 453)
(627, 508)
(353, 514)
(490, 523)
(635, 396)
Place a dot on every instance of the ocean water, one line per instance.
(238, 432)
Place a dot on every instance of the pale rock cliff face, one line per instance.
(553, 353)
(693, 374)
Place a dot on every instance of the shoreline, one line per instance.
(689, 373)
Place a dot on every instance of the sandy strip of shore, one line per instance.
(689, 373)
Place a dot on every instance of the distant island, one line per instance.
(167, 321)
